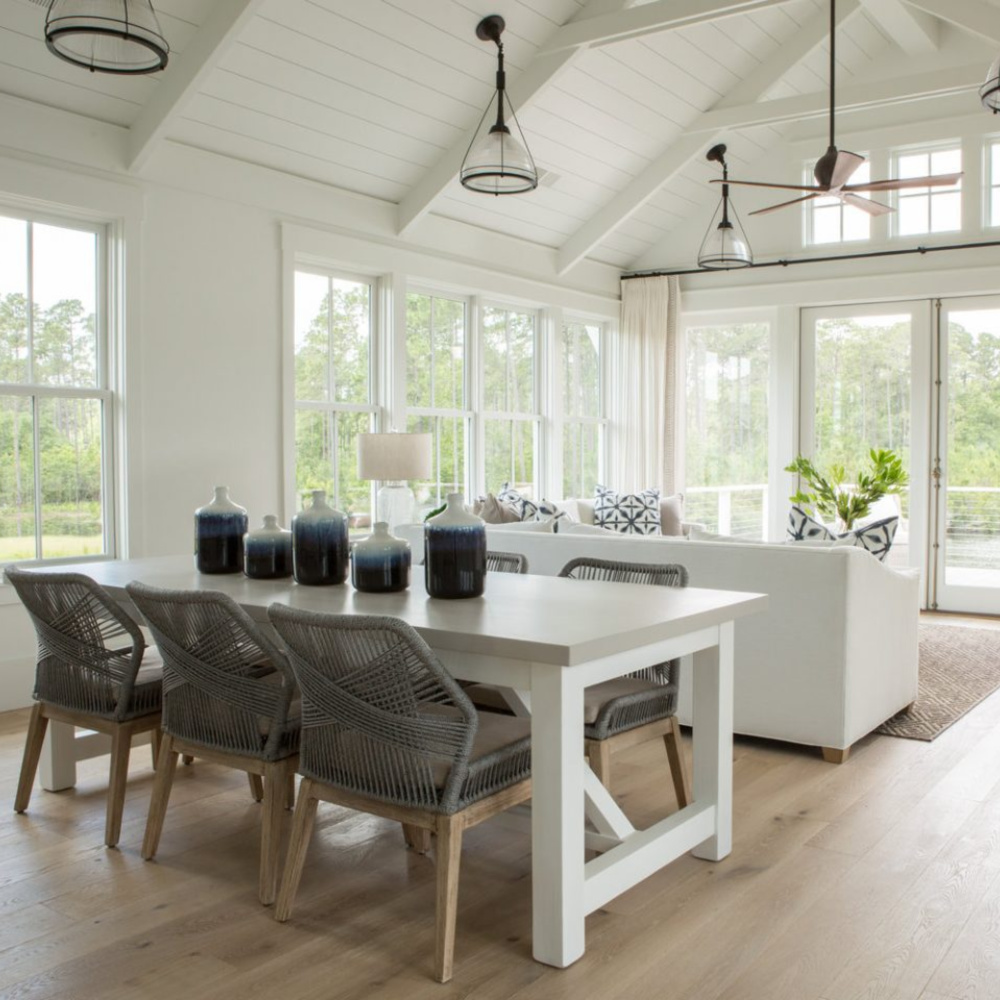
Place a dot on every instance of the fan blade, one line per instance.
(785, 204)
(937, 180)
(845, 166)
(865, 204)
(765, 184)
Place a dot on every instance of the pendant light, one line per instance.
(989, 92)
(107, 36)
(725, 244)
(497, 162)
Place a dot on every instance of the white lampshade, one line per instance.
(394, 457)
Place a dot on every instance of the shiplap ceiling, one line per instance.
(619, 100)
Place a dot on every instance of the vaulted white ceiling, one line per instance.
(619, 100)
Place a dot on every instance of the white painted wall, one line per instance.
(202, 343)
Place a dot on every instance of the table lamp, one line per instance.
(392, 459)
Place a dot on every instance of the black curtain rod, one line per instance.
(812, 260)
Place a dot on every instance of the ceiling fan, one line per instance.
(834, 169)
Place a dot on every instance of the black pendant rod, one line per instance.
(788, 262)
(833, 63)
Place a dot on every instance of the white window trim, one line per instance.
(927, 149)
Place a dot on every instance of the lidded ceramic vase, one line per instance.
(455, 552)
(219, 528)
(319, 543)
(267, 552)
(380, 563)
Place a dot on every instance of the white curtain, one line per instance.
(643, 401)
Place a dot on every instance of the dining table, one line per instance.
(543, 640)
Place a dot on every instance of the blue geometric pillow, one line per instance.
(628, 513)
(528, 510)
(801, 527)
(876, 537)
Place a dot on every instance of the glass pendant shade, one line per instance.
(498, 163)
(725, 245)
(107, 36)
(989, 92)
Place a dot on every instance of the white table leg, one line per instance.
(58, 762)
(557, 820)
(712, 734)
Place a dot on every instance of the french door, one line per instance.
(965, 534)
(865, 383)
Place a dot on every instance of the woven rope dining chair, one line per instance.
(506, 562)
(641, 706)
(93, 670)
(229, 699)
(387, 730)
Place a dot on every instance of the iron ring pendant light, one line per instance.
(989, 92)
(497, 162)
(107, 36)
(725, 244)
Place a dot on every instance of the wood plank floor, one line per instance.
(878, 879)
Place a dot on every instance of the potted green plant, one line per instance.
(830, 498)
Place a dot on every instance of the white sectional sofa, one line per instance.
(835, 654)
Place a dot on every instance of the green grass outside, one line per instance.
(53, 547)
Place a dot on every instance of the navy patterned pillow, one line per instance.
(526, 509)
(628, 513)
(802, 527)
(876, 537)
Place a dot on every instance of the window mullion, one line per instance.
(36, 460)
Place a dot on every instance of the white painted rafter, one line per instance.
(185, 75)
(912, 29)
(595, 25)
(650, 18)
(695, 141)
(976, 16)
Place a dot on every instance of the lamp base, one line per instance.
(394, 504)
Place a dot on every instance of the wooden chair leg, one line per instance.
(187, 760)
(155, 742)
(37, 725)
(678, 766)
(256, 786)
(290, 792)
(599, 758)
(298, 847)
(449, 857)
(121, 746)
(418, 838)
(166, 766)
(275, 796)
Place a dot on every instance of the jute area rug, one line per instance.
(959, 667)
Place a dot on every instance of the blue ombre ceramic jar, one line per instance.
(219, 528)
(320, 548)
(267, 552)
(380, 563)
(455, 552)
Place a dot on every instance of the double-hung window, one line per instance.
(830, 220)
(993, 157)
(437, 389)
(508, 347)
(334, 392)
(584, 420)
(56, 404)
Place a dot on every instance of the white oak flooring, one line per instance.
(877, 879)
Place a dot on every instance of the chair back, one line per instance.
(612, 571)
(89, 650)
(381, 716)
(226, 685)
(506, 562)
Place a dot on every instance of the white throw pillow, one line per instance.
(672, 514)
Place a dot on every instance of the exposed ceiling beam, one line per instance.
(186, 74)
(912, 29)
(660, 15)
(976, 16)
(858, 97)
(677, 156)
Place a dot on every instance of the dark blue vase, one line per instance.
(319, 543)
(267, 552)
(380, 563)
(219, 528)
(455, 552)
